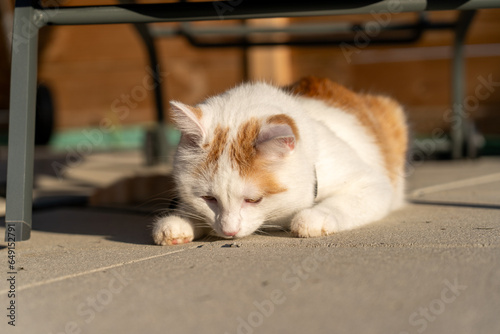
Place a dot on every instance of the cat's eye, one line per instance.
(253, 200)
(209, 198)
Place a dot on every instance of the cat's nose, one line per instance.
(230, 233)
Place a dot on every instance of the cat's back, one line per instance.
(381, 117)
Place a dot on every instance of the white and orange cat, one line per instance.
(315, 158)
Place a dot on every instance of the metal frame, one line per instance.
(239, 9)
(29, 18)
(461, 125)
(324, 34)
(22, 121)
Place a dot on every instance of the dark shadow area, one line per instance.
(126, 225)
(122, 212)
(116, 225)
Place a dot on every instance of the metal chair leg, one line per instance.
(22, 121)
(459, 123)
(155, 146)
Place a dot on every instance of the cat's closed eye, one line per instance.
(210, 199)
(253, 200)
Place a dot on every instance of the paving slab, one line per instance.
(428, 268)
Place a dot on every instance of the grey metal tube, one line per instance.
(459, 121)
(295, 29)
(21, 124)
(239, 9)
(148, 41)
(242, 30)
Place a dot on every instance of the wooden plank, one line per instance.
(270, 64)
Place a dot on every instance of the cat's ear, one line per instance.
(188, 120)
(275, 141)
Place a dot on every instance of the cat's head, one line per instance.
(236, 165)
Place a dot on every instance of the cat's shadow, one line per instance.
(123, 211)
(113, 225)
(111, 213)
(116, 225)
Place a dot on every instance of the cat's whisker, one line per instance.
(187, 215)
(273, 226)
(169, 193)
(279, 214)
(183, 213)
(261, 232)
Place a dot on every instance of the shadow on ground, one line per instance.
(120, 225)
(113, 225)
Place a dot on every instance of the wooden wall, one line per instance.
(95, 70)
(419, 75)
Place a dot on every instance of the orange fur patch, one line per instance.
(215, 148)
(264, 179)
(382, 117)
(250, 165)
(242, 151)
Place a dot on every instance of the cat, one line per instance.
(313, 157)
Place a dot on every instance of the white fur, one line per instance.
(353, 186)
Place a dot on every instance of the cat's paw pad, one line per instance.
(312, 223)
(172, 230)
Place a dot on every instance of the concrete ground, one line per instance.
(432, 267)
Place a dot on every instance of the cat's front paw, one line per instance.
(313, 223)
(172, 230)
